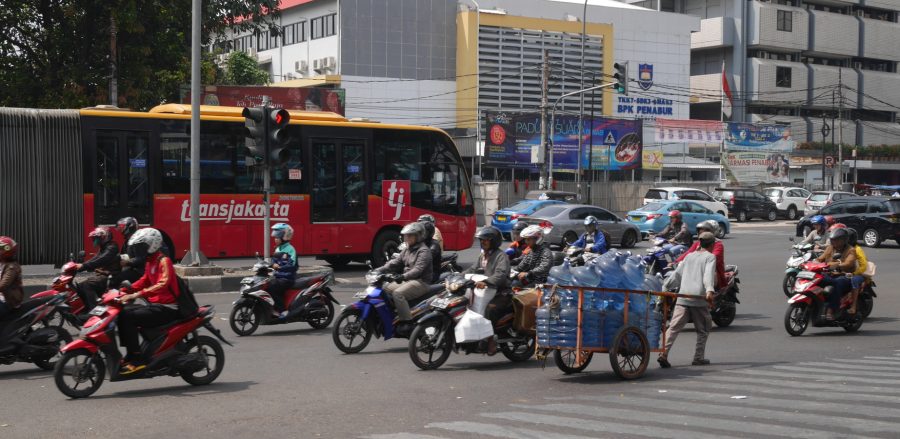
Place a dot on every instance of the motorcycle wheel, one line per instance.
(350, 326)
(81, 367)
(567, 361)
(854, 323)
(213, 353)
(796, 319)
(244, 319)
(64, 338)
(724, 315)
(787, 284)
(323, 322)
(630, 353)
(423, 346)
(866, 304)
(518, 352)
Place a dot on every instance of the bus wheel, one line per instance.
(386, 244)
(338, 261)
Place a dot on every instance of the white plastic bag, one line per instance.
(479, 298)
(473, 327)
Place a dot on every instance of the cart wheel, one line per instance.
(567, 361)
(630, 353)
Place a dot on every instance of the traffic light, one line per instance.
(278, 137)
(255, 133)
(621, 77)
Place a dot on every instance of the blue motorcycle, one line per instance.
(660, 256)
(373, 313)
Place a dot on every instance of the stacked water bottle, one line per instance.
(602, 312)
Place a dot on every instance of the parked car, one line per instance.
(685, 193)
(504, 219)
(790, 201)
(819, 199)
(746, 203)
(564, 223)
(653, 217)
(552, 195)
(875, 219)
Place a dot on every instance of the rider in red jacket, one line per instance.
(718, 250)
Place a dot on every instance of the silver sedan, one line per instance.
(564, 223)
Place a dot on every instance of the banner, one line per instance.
(653, 160)
(753, 137)
(689, 131)
(744, 167)
(290, 98)
(607, 144)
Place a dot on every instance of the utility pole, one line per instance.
(113, 74)
(581, 105)
(833, 111)
(195, 257)
(840, 160)
(543, 150)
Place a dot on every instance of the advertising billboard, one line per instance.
(757, 153)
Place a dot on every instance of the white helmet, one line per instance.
(535, 232)
(710, 225)
(149, 236)
(416, 229)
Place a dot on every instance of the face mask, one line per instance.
(96, 242)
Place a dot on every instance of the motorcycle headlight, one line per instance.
(455, 286)
(371, 277)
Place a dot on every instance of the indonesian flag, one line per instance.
(727, 98)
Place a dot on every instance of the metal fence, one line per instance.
(41, 191)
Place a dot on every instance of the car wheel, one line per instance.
(629, 239)
(722, 213)
(742, 216)
(772, 215)
(721, 233)
(872, 238)
(792, 213)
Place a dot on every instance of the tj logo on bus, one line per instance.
(394, 194)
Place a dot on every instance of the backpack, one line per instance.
(187, 304)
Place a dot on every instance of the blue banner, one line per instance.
(753, 137)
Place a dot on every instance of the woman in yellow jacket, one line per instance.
(858, 279)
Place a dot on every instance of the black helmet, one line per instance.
(127, 225)
(520, 225)
(429, 230)
(853, 238)
(840, 233)
(490, 233)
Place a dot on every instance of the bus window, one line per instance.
(354, 182)
(106, 188)
(138, 180)
(324, 189)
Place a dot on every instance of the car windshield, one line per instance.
(656, 194)
(894, 205)
(549, 211)
(773, 192)
(520, 206)
(818, 196)
(651, 207)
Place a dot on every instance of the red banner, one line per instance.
(395, 198)
(291, 98)
(689, 131)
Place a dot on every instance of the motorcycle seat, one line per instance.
(433, 290)
(448, 257)
(26, 306)
(303, 282)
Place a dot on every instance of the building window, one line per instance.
(786, 21)
(783, 77)
(262, 41)
(322, 27)
(294, 33)
(244, 43)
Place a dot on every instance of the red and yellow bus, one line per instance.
(347, 189)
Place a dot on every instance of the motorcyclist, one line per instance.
(535, 266)
(435, 250)
(494, 264)
(677, 233)
(285, 265)
(104, 264)
(159, 287)
(718, 250)
(438, 237)
(412, 271)
(132, 258)
(593, 239)
(818, 235)
(11, 292)
(841, 259)
(517, 248)
(858, 279)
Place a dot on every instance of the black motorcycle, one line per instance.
(725, 300)
(24, 338)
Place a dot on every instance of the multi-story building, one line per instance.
(798, 62)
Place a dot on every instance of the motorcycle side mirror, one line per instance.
(125, 284)
(80, 257)
(791, 238)
(369, 264)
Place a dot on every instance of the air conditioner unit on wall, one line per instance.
(300, 66)
(332, 62)
(317, 64)
(251, 52)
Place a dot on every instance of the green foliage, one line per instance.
(243, 70)
(57, 54)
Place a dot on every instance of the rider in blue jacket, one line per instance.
(593, 240)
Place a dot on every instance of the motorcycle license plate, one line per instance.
(98, 311)
(806, 275)
(361, 295)
(440, 303)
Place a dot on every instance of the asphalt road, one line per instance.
(290, 381)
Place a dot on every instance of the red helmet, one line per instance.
(101, 234)
(675, 214)
(837, 226)
(8, 248)
(829, 219)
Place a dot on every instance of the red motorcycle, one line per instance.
(808, 303)
(75, 312)
(174, 350)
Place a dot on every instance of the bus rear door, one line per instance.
(339, 197)
(121, 183)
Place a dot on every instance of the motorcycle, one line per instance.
(576, 256)
(433, 339)
(809, 303)
(75, 311)
(659, 257)
(174, 349)
(308, 300)
(23, 339)
(725, 300)
(800, 254)
(449, 264)
(373, 313)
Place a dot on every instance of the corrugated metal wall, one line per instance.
(41, 183)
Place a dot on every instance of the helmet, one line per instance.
(490, 233)
(429, 230)
(710, 225)
(836, 226)
(591, 220)
(535, 232)
(817, 219)
(8, 248)
(839, 233)
(675, 214)
(149, 237)
(100, 236)
(853, 237)
(426, 219)
(282, 231)
(416, 229)
(126, 226)
(520, 225)
(829, 219)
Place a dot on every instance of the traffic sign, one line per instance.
(829, 161)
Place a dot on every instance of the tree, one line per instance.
(60, 54)
(243, 70)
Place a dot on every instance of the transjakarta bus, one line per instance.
(347, 188)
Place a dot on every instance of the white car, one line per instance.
(790, 201)
(686, 193)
